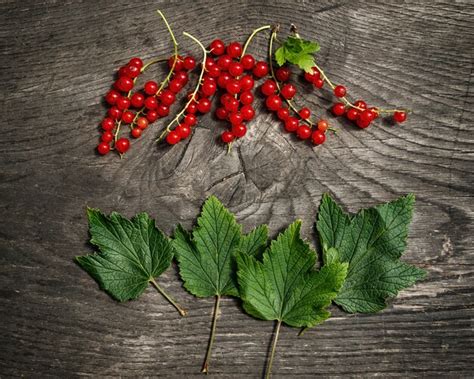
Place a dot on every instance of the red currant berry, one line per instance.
(261, 69)
(311, 77)
(137, 100)
(189, 63)
(303, 132)
(269, 87)
(204, 105)
(283, 74)
(221, 113)
(124, 84)
(122, 71)
(273, 102)
(352, 114)
(304, 113)
(136, 62)
(163, 110)
(152, 116)
(191, 108)
(190, 120)
(236, 118)
(291, 124)
(338, 109)
(107, 137)
(247, 61)
(239, 130)
(246, 82)
(142, 123)
(103, 148)
(227, 137)
(183, 131)
(179, 65)
(108, 124)
(283, 114)
(217, 47)
(133, 71)
(233, 87)
(318, 83)
(150, 87)
(136, 132)
(360, 104)
(224, 62)
(123, 103)
(340, 91)
(288, 91)
(112, 97)
(173, 137)
(248, 113)
(167, 97)
(232, 105)
(234, 49)
(175, 86)
(318, 137)
(128, 117)
(214, 72)
(362, 123)
(400, 117)
(122, 145)
(323, 125)
(246, 97)
(375, 111)
(236, 69)
(114, 113)
(181, 77)
(366, 116)
(223, 79)
(208, 88)
(151, 102)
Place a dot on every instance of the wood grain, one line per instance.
(57, 60)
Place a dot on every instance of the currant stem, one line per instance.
(159, 60)
(181, 311)
(193, 96)
(205, 366)
(268, 371)
(258, 30)
(175, 45)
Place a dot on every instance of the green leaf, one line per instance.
(372, 242)
(284, 285)
(297, 51)
(132, 253)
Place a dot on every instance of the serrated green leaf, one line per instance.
(372, 242)
(255, 242)
(284, 286)
(297, 51)
(280, 56)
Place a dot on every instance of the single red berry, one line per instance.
(124, 84)
(107, 137)
(112, 97)
(122, 71)
(137, 100)
(246, 97)
(221, 113)
(248, 113)
(103, 148)
(179, 65)
(233, 87)
(223, 79)
(191, 108)
(190, 120)
(224, 62)
(133, 71)
(283, 114)
(312, 76)
(122, 145)
(189, 63)
(366, 116)
(114, 113)
(375, 111)
(273, 102)
(183, 131)
(340, 91)
(323, 125)
(247, 61)
(152, 116)
(362, 123)
(318, 137)
(236, 118)
(338, 109)
(236, 69)
(142, 123)
(210, 62)
(181, 77)
(225, 98)
(128, 117)
(136, 132)
(108, 124)
(163, 110)
(150, 87)
(283, 74)
(269, 87)
(400, 117)
(173, 137)
(217, 47)
(232, 105)
(360, 104)
(288, 91)
(123, 103)
(234, 49)
(151, 102)
(175, 86)
(318, 83)
(261, 69)
(227, 137)
(239, 130)
(214, 72)
(246, 82)
(136, 62)
(167, 97)
(291, 124)
(304, 113)
(303, 132)
(208, 88)
(352, 114)
(204, 105)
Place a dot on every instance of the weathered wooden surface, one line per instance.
(57, 61)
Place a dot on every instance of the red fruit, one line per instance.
(318, 83)
(136, 62)
(375, 111)
(151, 102)
(183, 131)
(107, 137)
(122, 145)
(234, 49)
(210, 62)
(175, 86)
(362, 123)
(247, 61)
(236, 118)
(233, 87)
(103, 148)
(223, 79)
(213, 72)
(227, 137)
(232, 105)
(173, 137)
(122, 71)
(352, 114)
(111, 97)
(291, 124)
(303, 132)
(208, 88)
(167, 97)
(246, 82)
(246, 97)
(288, 91)
(400, 117)
(163, 110)
(261, 69)
(124, 84)
(323, 125)
(114, 113)
(217, 47)
(283, 74)
(136, 132)
(283, 114)
(236, 69)
(338, 109)
(190, 120)
(152, 116)
(204, 105)
(132, 71)
(269, 87)
(179, 65)
(318, 137)
(142, 123)
(150, 87)
(360, 104)
(239, 130)
(340, 91)
(366, 116)
(248, 113)
(137, 100)
(181, 77)
(273, 102)
(304, 113)
(221, 113)
(224, 62)
(191, 108)
(189, 63)
(312, 76)
(128, 117)
(123, 103)
(108, 124)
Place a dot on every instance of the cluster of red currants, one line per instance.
(141, 108)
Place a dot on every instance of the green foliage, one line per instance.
(297, 51)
